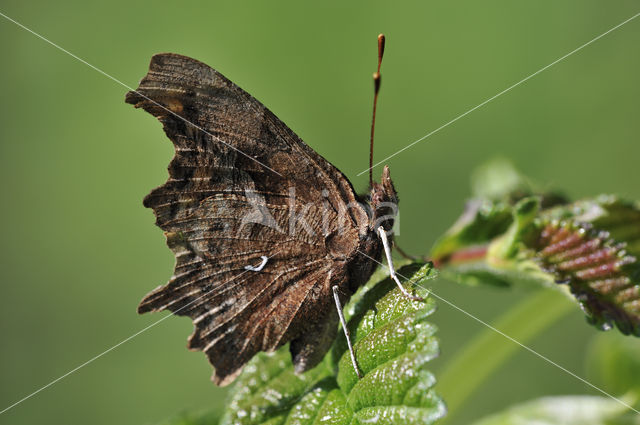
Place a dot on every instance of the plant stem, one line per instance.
(488, 350)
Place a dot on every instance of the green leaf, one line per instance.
(497, 187)
(613, 363)
(592, 246)
(620, 218)
(566, 410)
(502, 259)
(498, 180)
(393, 344)
(571, 245)
(464, 375)
(468, 238)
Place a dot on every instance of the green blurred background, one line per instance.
(78, 249)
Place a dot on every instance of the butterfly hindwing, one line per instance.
(237, 175)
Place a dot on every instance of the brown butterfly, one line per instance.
(265, 231)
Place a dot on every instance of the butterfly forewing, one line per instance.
(243, 187)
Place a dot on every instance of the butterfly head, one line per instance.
(384, 202)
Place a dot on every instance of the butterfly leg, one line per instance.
(392, 270)
(346, 331)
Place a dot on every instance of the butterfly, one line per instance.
(267, 234)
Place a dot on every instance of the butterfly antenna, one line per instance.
(376, 88)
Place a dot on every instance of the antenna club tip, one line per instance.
(381, 41)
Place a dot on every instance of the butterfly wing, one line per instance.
(243, 188)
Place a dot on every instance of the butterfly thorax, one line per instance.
(383, 203)
(382, 209)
